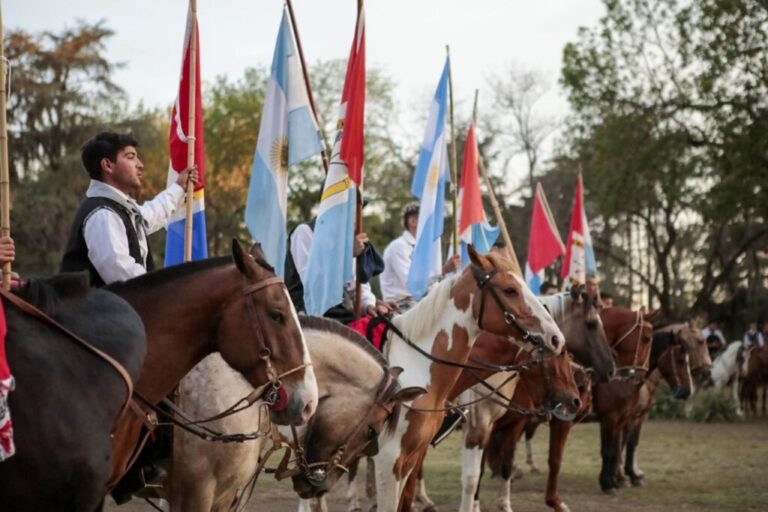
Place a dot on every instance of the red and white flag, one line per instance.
(353, 100)
(544, 242)
(579, 256)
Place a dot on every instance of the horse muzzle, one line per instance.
(292, 408)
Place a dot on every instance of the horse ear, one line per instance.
(257, 252)
(478, 259)
(408, 394)
(395, 371)
(239, 257)
(650, 316)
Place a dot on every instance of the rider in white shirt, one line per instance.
(753, 337)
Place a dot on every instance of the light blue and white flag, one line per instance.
(288, 135)
(429, 179)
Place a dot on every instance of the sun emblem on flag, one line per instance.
(433, 175)
(278, 154)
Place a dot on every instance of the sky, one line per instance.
(406, 38)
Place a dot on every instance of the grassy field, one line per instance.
(689, 467)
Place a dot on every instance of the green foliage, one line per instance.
(666, 407)
(713, 406)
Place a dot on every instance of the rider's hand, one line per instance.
(452, 264)
(186, 176)
(360, 240)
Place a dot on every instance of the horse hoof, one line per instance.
(535, 470)
(637, 482)
(373, 508)
(517, 474)
(562, 508)
(611, 491)
(355, 509)
(429, 508)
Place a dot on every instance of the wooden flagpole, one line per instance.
(495, 203)
(295, 27)
(454, 170)
(191, 128)
(358, 218)
(5, 183)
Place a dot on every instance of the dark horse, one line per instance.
(67, 398)
(235, 306)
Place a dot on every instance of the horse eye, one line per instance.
(275, 314)
(371, 434)
(510, 291)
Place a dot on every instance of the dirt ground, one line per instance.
(688, 466)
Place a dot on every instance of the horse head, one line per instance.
(502, 303)
(694, 344)
(259, 335)
(629, 334)
(360, 399)
(578, 316)
(549, 381)
(674, 365)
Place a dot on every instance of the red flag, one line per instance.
(353, 97)
(7, 447)
(179, 129)
(544, 242)
(574, 265)
(471, 200)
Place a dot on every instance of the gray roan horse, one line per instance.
(358, 398)
(67, 398)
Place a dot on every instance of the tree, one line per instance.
(670, 125)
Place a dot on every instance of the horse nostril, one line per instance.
(555, 342)
(577, 402)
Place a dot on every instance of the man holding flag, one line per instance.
(288, 135)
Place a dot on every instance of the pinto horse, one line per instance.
(359, 397)
(432, 344)
(235, 306)
(669, 360)
(630, 334)
(68, 397)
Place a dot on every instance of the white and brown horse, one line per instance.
(358, 398)
(433, 344)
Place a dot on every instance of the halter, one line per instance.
(483, 279)
(636, 369)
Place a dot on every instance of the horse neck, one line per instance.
(179, 332)
(355, 369)
(433, 319)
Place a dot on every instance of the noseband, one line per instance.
(483, 280)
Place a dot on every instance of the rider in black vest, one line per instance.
(109, 233)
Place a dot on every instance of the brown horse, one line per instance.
(669, 360)
(630, 334)
(433, 343)
(236, 307)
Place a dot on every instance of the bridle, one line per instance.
(483, 280)
(636, 369)
(317, 472)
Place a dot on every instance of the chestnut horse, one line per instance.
(235, 306)
(358, 397)
(630, 334)
(433, 342)
(578, 317)
(669, 360)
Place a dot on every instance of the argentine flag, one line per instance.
(288, 135)
(428, 186)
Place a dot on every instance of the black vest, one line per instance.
(76, 254)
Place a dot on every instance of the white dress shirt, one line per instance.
(105, 236)
(301, 241)
(397, 264)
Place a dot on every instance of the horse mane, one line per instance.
(555, 304)
(168, 274)
(49, 293)
(417, 321)
(334, 327)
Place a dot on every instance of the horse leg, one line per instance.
(736, 398)
(506, 468)
(610, 441)
(421, 497)
(471, 459)
(530, 431)
(305, 505)
(409, 490)
(558, 435)
(354, 488)
(631, 468)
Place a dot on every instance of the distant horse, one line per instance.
(727, 370)
(67, 398)
(235, 306)
(358, 398)
(688, 337)
(630, 334)
(755, 378)
(669, 360)
(441, 330)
